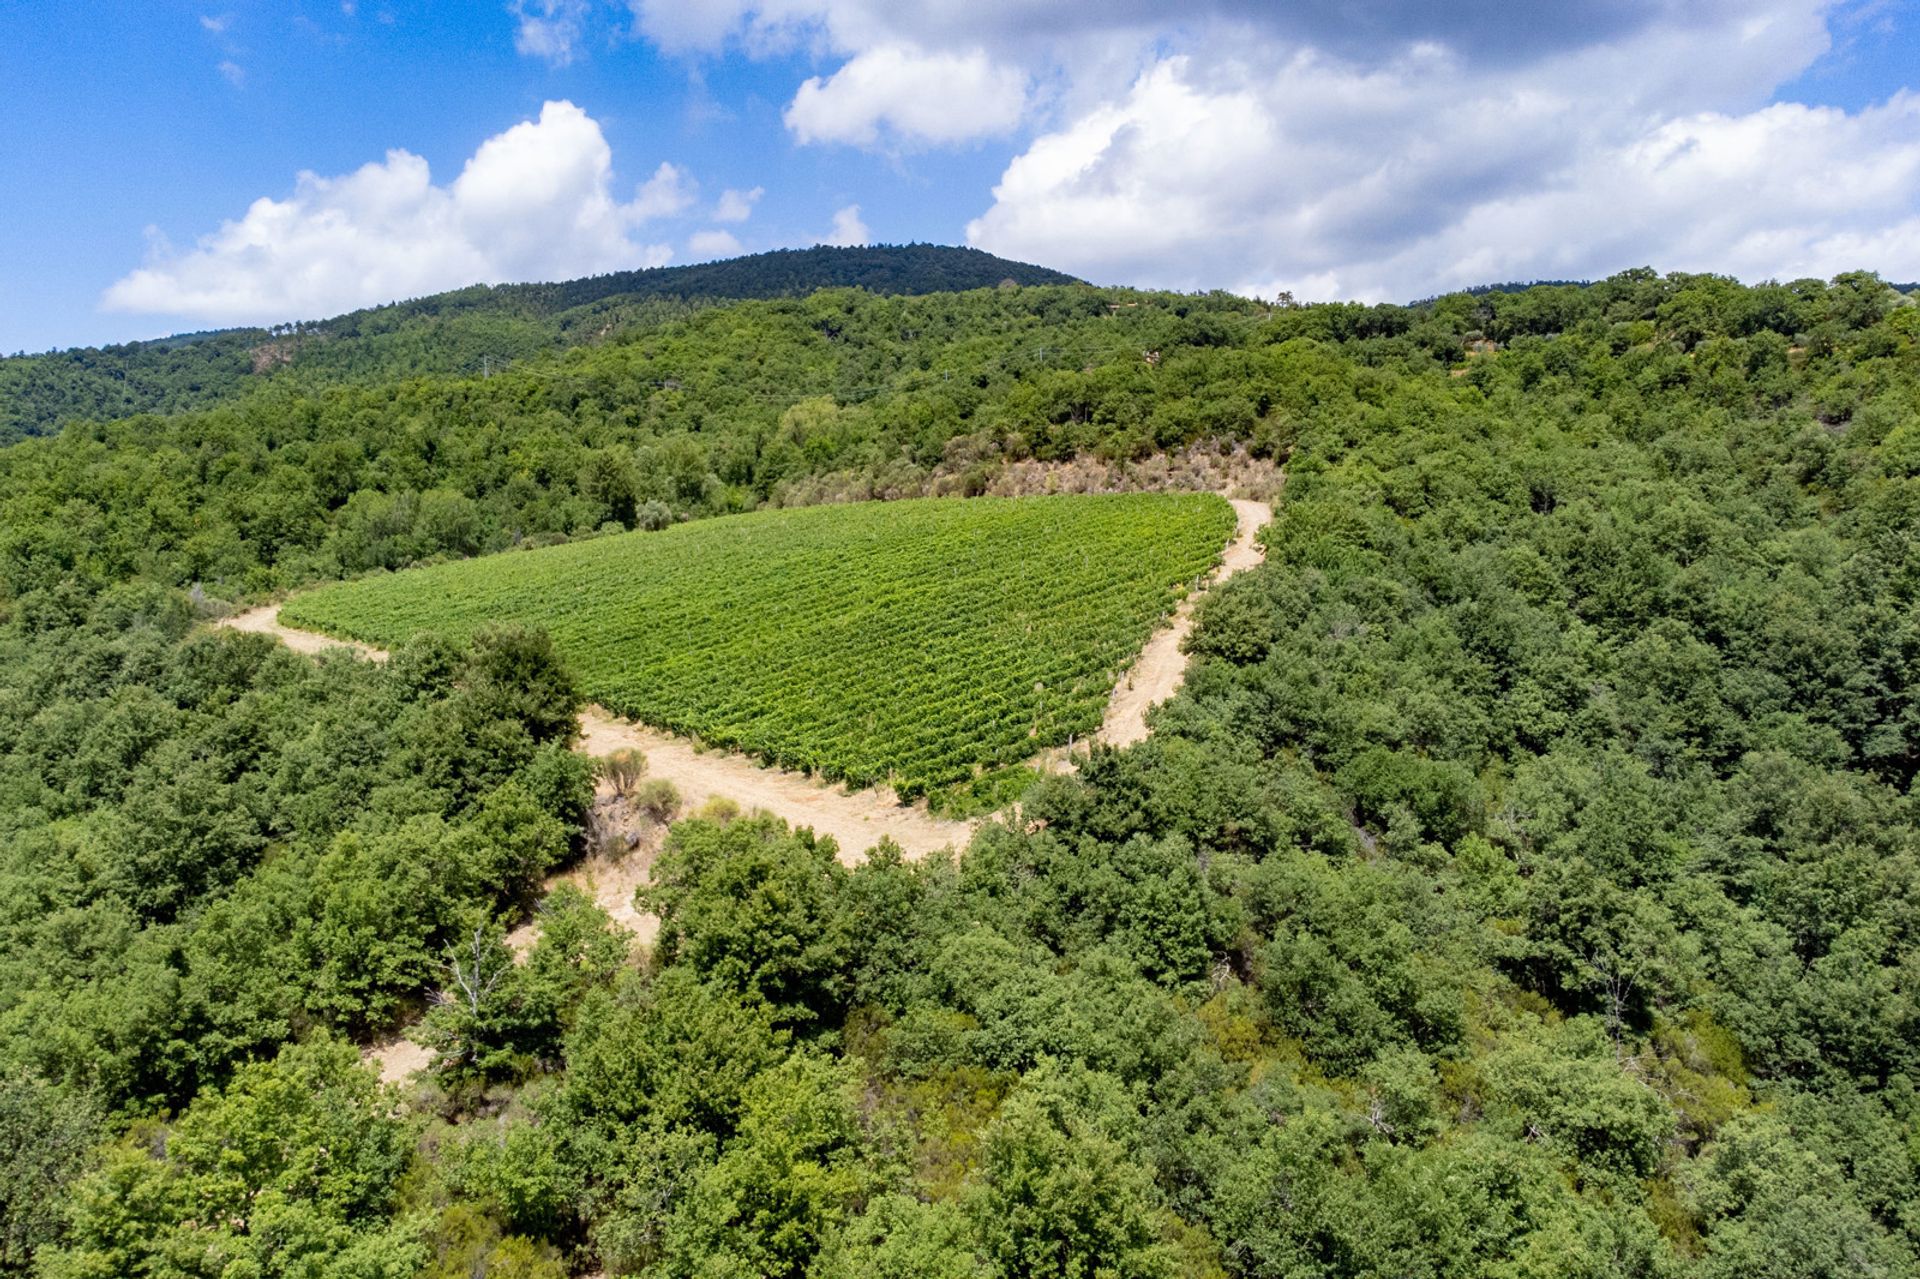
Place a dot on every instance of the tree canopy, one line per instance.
(1524, 882)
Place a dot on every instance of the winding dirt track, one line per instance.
(856, 821)
(265, 620)
(1161, 667)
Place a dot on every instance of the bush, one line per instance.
(658, 798)
(623, 769)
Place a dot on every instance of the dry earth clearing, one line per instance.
(856, 820)
(265, 620)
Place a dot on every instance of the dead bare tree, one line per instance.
(1615, 985)
(472, 975)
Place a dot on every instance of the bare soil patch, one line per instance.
(624, 844)
(397, 1059)
(975, 466)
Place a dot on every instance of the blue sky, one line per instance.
(1371, 150)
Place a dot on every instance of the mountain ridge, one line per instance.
(472, 329)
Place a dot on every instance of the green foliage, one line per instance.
(1058, 1193)
(289, 1170)
(492, 1018)
(756, 908)
(480, 329)
(520, 1172)
(1572, 1093)
(908, 642)
(466, 1242)
(1775, 1208)
(1312, 1199)
(783, 1185)
(48, 1135)
(658, 798)
(623, 769)
(1523, 883)
(675, 1052)
(271, 853)
(1346, 971)
(900, 1237)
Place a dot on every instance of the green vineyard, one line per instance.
(906, 642)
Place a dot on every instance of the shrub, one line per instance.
(623, 769)
(658, 798)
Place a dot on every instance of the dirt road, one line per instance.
(1162, 667)
(265, 620)
(856, 821)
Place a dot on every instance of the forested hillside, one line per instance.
(473, 330)
(1525, 883)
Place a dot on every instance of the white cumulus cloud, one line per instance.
(737, 206)
(848, 232)
(1384, 149)
(912, 96)
(535, 202)
(685, 26)
(1272, 166)
(550, 30)
(669, 191)
(713, 243)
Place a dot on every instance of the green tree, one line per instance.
(758, 907)
(1776, 1210)
(1058, 1191)
(784, 1185)
(901, 1237)
(48, 1135)
(292, 1169)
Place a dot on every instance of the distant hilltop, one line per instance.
(904, 269)
(475, 329)
(484, 329)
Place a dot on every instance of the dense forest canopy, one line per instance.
(1525, 882)
(472, 330)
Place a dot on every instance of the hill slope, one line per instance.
(477, 329)
(1526, 880)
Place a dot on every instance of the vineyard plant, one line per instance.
(914, 643)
